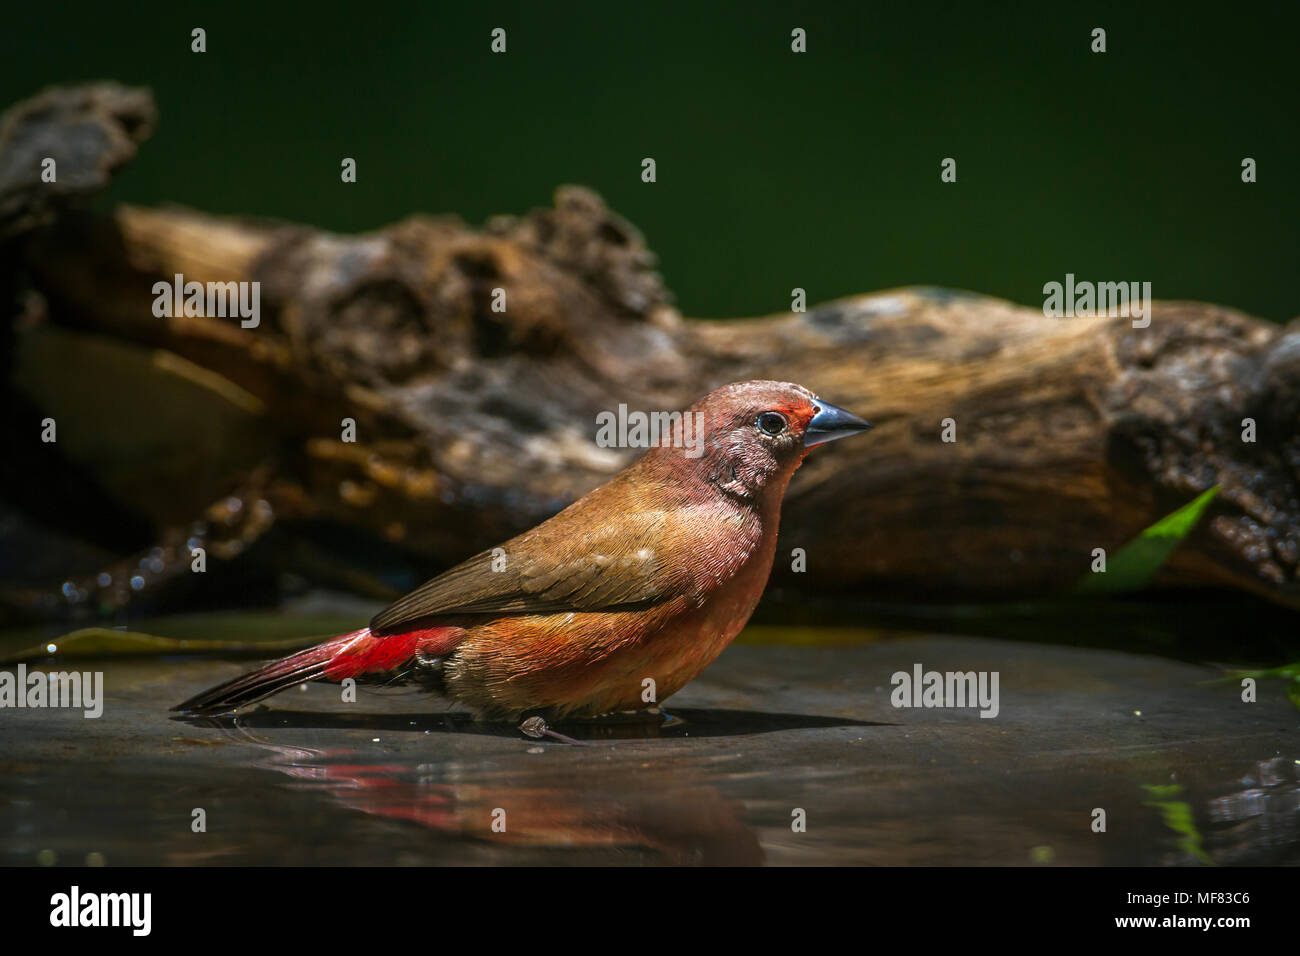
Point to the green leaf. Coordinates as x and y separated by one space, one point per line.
106 642
1289 672
1177 816
1132 566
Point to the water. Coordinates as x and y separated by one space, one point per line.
770 735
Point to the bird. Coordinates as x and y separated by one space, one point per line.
613 604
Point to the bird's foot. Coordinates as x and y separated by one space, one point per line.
537 728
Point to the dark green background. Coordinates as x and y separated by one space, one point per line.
775 170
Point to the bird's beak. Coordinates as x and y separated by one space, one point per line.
831 423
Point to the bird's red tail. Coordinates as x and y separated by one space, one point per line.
355 655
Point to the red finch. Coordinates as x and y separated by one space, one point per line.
613 604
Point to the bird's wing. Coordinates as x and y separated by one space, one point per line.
634 557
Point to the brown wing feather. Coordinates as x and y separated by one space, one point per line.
570 562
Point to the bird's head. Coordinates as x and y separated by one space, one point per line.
748 437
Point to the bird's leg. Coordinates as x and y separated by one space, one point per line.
536 727
668 722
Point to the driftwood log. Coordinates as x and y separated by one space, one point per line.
471 424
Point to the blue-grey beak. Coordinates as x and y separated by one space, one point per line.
830 423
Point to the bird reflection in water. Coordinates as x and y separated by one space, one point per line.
654 813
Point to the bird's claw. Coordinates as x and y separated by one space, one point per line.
536 728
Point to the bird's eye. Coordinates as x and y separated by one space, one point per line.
771 423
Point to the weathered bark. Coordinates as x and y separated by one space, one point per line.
92 132
1072 434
